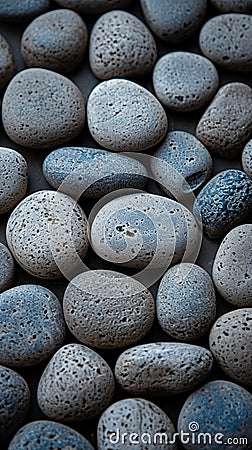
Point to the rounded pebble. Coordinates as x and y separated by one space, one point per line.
76 385
6 268
226 125
184 81
92 172
33 325
162 368
226 40
230 341
45 229
124 116
220 409
7 64
22 11
56 40
93 6
137 419
247 158
186 303
14 178
240 6
224 202
107 309
14 401
42 109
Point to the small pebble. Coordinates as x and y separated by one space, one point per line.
224 202
240 6
7 268
226 125
226 40
76 385
137 419
124 116
56 40
42 109
220 409
7 64
230 341
93 6
13 180
162 368
92 172
185 81
14 401
32 325
247 158
22 11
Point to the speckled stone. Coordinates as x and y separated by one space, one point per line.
240 6
134 415
124 116
107 309
162 368
45 435
13 179
226 125
184 81
7 269
14 401
121 46
32 325
93 6
7 64
56 40
42 109
232 268
186 304
224 202
218 407
92 172
247 158
38 233
76 385
226 40
174 21
230 341
22 11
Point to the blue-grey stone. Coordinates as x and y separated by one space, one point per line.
93 6
22 11
6 268
239 6
7 64
247 158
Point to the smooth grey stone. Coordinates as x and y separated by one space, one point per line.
121 46
186 303
32 325
47 229
172 21
107 309
7 269
226 125
162 368
7 64
76 385
42 109
92 172
230 341
124 116
93 6
22 11
134 415
184 81
14 401
56 40
240 6
247 158
13 179
232 268
226 40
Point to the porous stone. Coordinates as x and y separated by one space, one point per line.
124 116
224 201
162 368
22 11
186 303
226 40
230 341
32 325
226 125
174 22
7 64
76 385
107 309
56 40
240 6
14 401
247 158
92 172
47 234
13 180
217 407
93 6
7 269
42 109
184 81
121 46
139 419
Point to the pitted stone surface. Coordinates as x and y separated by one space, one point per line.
7 64
7 268
239 6
22 11
247 158
93 6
